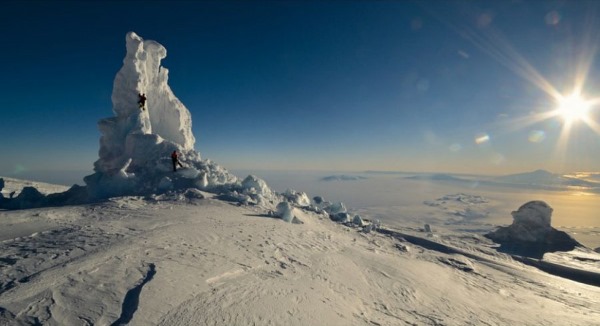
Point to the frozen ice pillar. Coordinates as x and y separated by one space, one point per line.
135 142
142 73
164 119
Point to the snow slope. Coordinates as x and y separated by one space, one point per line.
167 260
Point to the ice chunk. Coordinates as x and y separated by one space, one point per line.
336 208
136 144
254 184
531 234
297 198
341 217
357 220
285 211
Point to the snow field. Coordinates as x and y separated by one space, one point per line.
216 263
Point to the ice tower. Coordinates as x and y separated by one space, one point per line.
136 144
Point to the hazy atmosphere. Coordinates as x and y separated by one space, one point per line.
440 86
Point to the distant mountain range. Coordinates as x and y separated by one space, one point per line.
343 177
536 179
545 178
436 177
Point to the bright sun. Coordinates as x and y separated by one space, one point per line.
573 108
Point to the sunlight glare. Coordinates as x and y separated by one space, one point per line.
573 108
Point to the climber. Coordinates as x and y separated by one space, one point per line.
175 160
142 101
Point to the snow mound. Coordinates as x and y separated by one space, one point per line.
251 191
531 233
255 185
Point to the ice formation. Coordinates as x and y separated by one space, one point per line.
298 198
357 220
285 211
531 233
136 144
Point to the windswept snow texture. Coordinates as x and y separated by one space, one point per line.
199 261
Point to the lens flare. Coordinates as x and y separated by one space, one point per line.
537 136
573 108
482 139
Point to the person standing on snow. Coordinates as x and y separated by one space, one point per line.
175 160
142 101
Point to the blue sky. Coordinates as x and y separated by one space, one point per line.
438 86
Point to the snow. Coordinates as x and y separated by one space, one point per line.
255 185
182 261
141 244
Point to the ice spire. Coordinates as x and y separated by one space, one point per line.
134 136
136 144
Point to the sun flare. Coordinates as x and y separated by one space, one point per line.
573 108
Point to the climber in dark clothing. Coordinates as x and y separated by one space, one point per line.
142 101
175 160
